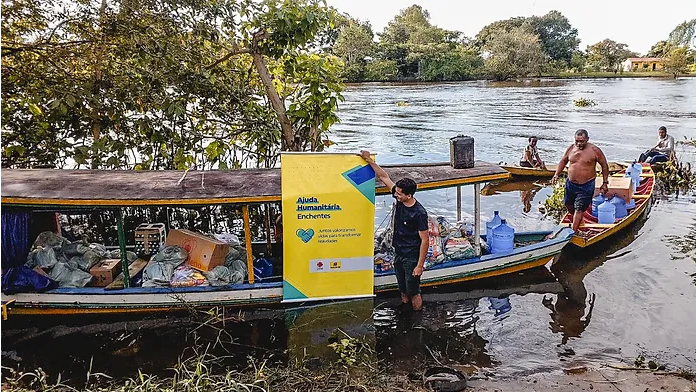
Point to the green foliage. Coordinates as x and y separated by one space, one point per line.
512 53
559 40
676 62
583 102
349 349
315 101
684 34
381 70
607 55
553 205
660 49
138 86
450 66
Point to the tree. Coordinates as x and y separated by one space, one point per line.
578 61
557 37
410 39
660 49
676 62
381 70
130 84
684 34
452 65
607 55
517 52
354 44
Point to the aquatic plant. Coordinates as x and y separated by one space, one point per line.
553 205
583 102
674 177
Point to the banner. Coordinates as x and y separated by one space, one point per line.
328 226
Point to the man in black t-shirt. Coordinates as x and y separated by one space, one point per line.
410 235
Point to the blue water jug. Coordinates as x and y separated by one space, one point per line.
263 268
503 238
620 210
490 225
596 201
606 213
631 204
500 305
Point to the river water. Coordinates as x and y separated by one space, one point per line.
634 295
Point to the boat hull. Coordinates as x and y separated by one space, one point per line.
518 171
598 233
67 301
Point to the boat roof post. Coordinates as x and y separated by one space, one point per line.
247 243
122 247
459 203
477 218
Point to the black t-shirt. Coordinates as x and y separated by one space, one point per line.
408 221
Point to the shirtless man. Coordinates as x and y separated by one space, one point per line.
580 184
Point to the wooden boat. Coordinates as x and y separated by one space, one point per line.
592 232
61 190
519 171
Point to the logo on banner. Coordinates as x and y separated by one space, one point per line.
305 235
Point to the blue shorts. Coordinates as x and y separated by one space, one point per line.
579 196
403 267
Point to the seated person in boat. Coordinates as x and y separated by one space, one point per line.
530 156
581 158
663 150
410 239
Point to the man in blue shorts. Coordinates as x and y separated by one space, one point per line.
582 171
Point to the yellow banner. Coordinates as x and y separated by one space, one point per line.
328 226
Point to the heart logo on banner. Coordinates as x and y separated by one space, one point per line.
305 235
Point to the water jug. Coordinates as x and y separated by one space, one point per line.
500 305
631 204
263 268
503 238
606 213
490 225
596 201
620 210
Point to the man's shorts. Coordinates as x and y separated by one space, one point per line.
408 284
579 195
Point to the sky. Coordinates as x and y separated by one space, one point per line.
629 22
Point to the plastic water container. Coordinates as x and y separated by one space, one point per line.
606 213
596 201
631 204
500 305
503 238
495 221
620 210
634 171
263 268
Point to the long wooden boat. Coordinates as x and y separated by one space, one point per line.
57 190
591 232
519 171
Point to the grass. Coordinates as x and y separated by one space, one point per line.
203 372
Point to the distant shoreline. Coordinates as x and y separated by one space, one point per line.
563 75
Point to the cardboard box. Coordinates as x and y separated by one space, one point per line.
204 252
105 271
619 186
135 272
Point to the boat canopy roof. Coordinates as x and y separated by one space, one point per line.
121 188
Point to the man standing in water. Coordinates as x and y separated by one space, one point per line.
580 184
410 239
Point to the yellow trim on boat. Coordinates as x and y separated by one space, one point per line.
138 202
447 183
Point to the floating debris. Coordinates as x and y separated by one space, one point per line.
582 102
